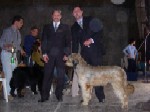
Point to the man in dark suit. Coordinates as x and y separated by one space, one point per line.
56 42
88 42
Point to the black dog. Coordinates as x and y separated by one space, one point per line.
22 75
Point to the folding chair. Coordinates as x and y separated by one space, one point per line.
3 79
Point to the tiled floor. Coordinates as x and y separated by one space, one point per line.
138 102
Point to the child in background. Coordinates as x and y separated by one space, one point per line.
38 65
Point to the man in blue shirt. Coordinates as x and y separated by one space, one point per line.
28 43
11 39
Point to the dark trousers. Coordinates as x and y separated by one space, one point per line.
131 65
94 59
99 92
131 72
48 77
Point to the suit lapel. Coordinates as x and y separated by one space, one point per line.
60 26
51 27
77 25
84 22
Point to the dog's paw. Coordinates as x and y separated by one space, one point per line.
124 105
84 103
130 89
66 91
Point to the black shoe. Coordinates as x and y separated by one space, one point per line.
43 100
102 101
12 93
35 92
59 98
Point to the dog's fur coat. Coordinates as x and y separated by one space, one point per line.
22 75
89 76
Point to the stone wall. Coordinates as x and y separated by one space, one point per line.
115 21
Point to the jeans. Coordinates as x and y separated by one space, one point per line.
8 67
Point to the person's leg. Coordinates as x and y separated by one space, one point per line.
19 92
134 74
55 72
129 65
99 92
95 60
134 65
60 78
7 68
33 88
38 72
40 78
33 72
13 87
47 80
66 79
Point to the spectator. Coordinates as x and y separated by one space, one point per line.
28 43
11 39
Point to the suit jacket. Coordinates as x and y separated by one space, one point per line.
55 44
79 35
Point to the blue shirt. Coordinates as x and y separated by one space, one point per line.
28 43
11 35
130 50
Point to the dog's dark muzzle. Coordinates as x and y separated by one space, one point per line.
75 63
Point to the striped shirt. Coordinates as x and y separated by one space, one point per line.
9 36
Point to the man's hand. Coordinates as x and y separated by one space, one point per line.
88 42
23 53
129 56
45 58
148 61
65 58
